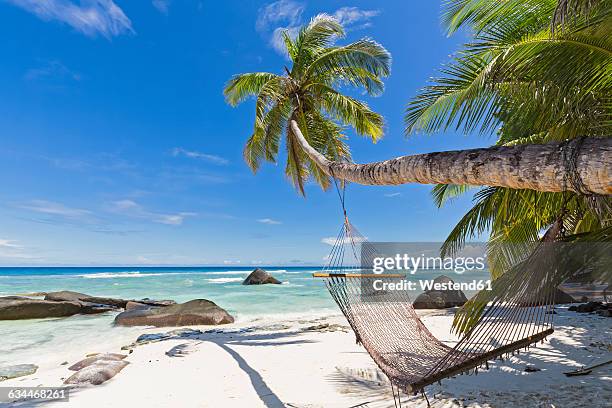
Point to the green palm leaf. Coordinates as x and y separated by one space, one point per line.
310 93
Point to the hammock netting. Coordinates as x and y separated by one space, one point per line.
388 327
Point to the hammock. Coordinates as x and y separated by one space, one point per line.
387 326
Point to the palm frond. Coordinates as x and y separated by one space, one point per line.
570 10
240 87
313 39
296 167
463 98
351 111
475 222
442 193
365 54
354 76
486 15
310 93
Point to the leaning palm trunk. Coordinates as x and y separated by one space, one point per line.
581 165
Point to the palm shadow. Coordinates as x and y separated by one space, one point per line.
276 339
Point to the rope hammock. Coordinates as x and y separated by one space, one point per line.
387 326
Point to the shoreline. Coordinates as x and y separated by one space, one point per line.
313 362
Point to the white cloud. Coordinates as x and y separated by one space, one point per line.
179 151
283 11
346 240
273 19
125 205
278 42
9 243
10 250
17 255
161 5
141 259
54 208
231 262
132 209
172 219
354 17
55 213
90 17
286 15
269 221
392 195
51 70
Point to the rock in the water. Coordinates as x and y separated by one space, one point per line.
15 308
18 370
153 302
194 312
135 305
260 277
97 372
90 360
605 313
67 295
70 296
440 299
95 308
589 307
66 303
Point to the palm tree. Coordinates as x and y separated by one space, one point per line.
530 80
537 73
309 94
281 99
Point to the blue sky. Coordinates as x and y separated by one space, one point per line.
117 146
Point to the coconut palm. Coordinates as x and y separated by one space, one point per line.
530 80
363 64
536 71
537 74
309 93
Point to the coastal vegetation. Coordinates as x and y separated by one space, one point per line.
309 93
535 71
535 74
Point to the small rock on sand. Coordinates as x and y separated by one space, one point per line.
327 327
97 372
18 370
90 360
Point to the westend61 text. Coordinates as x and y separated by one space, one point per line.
429 284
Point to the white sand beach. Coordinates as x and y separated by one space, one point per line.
315 363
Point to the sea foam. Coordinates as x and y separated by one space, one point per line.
224 280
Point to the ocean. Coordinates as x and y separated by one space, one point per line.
46 341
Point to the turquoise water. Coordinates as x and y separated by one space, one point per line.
222 285
52 341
